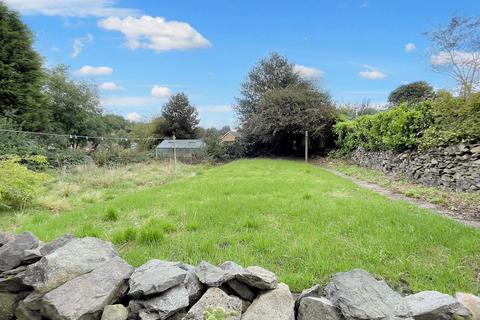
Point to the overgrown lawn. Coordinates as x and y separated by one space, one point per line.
296 219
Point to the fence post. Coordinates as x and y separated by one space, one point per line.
306 146
174 152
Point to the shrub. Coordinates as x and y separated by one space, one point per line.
18 184
396 129
111 155
67 158
455 120
445 120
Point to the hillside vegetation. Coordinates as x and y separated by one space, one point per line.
298 220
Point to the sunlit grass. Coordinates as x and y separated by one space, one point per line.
296 219
461 202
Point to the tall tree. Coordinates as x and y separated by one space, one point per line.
75 105
277 107
181 118
455 51
411 93
21 75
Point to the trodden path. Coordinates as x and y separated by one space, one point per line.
398 196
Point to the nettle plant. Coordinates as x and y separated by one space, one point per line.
218 313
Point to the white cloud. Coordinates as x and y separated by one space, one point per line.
155 33
70 8
79 43
109 86
458 57
410 47
133 116
160 92
308 72
372 74
94 71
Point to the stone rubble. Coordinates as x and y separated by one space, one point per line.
84 279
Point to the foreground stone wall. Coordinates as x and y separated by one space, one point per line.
84 279
455 167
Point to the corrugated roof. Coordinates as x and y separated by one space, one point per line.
182 144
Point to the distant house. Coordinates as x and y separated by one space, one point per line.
230 136
185 149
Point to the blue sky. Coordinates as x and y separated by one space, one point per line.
140 52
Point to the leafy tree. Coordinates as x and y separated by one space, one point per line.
411 93
20 74
277 107
181 118
74 105
455 51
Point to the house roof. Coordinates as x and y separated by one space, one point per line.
181 144
236 134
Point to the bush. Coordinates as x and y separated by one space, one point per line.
17 143
443 121
18 184
221 152
396 129
111 155
454 121
67 158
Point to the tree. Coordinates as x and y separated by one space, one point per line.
74 105
455 51
277 107
181 118
21 76
411 93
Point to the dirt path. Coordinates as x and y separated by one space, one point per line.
398 196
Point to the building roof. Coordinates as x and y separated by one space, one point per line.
236 134
182 144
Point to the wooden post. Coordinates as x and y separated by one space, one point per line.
306 146
174 152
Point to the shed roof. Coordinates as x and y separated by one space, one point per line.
182 144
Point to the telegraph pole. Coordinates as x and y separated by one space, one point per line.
306 146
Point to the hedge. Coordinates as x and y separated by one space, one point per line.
424 125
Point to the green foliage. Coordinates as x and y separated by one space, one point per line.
277 107
455 120
111 155
18 184
216 150
445 120
395 129
74 104
66 157
180 117
411 93
17 143
21 76
218 313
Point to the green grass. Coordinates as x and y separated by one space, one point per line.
295 219
464 203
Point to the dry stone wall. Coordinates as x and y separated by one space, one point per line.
84 279
455 167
